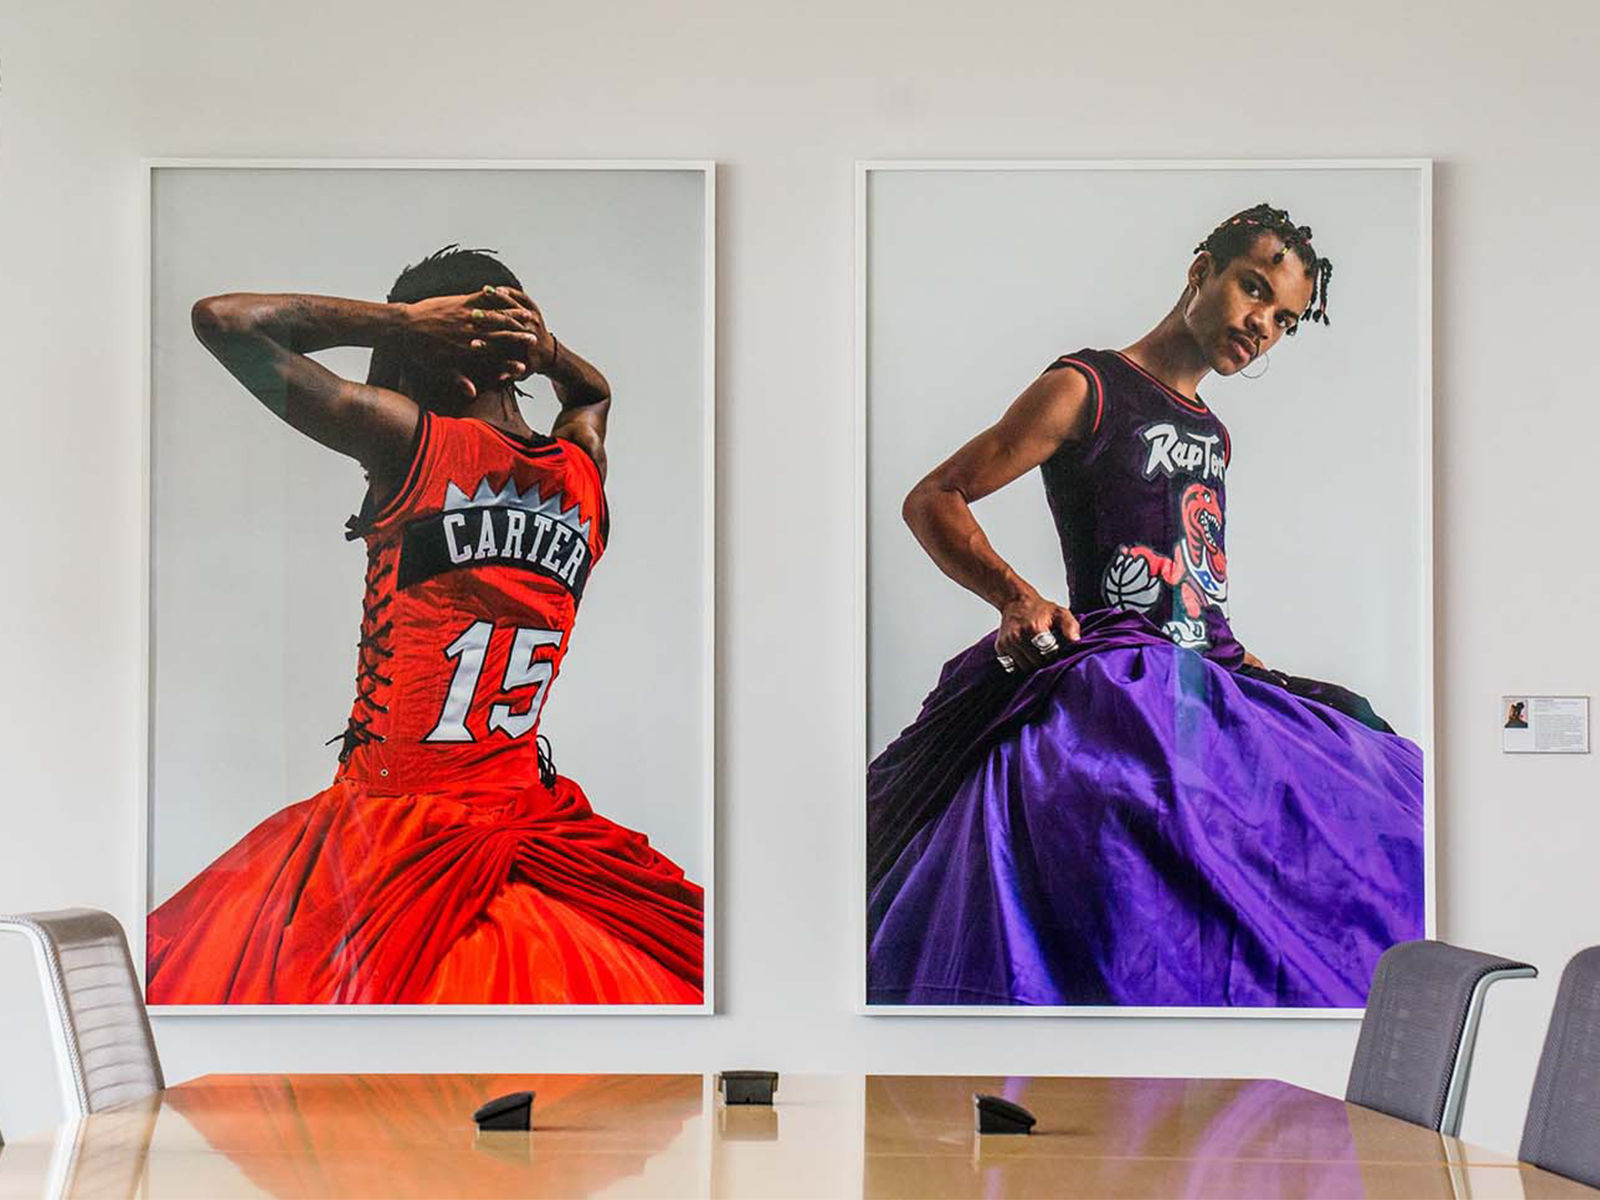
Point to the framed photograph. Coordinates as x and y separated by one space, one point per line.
1146 583
431 588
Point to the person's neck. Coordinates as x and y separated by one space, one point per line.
1170 354
498 408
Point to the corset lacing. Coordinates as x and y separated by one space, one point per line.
371 651
547 764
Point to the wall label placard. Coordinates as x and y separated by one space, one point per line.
1544 724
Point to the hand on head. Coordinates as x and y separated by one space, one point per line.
493 336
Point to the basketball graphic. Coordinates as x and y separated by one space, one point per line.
1129 582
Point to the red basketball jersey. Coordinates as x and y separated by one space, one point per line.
474 572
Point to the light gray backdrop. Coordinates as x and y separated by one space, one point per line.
978 279
257 594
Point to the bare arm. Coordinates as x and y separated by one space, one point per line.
585 399
265 341
1053 410
581 390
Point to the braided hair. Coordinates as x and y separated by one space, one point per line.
1239 232
451 271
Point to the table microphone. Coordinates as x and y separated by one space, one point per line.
996 1114
513 1111
747 1087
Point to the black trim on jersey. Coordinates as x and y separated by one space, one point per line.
1096 386
578 446
372 512
538 445
1193 404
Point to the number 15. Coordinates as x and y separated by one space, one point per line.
522 670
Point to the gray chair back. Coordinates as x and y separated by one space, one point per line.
104 1047
1415 1051
1562 1133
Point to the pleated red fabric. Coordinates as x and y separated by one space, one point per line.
493 896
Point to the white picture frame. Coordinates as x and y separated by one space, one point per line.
869 508
699 501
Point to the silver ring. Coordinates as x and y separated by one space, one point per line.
1007 663
1045 642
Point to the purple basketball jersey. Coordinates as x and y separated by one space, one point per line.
1139 505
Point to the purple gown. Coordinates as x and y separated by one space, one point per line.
1146 821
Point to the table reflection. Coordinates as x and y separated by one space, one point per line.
1145 1137
668 1135
378 1135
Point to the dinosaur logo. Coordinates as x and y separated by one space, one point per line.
1197 571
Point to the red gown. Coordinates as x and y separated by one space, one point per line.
447 863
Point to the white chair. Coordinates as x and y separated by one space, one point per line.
105 1051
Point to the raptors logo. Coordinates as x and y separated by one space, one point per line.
1174 451
1197 571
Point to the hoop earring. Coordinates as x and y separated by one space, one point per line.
1266 365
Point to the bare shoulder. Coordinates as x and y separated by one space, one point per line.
1055 407
588 440
585 428
1052 410
375 426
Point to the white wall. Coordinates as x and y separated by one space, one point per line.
785 97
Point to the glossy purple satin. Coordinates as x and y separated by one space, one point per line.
1137 825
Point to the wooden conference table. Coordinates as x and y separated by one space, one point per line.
826 1136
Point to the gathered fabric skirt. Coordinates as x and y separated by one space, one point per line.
1137 825
510 895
